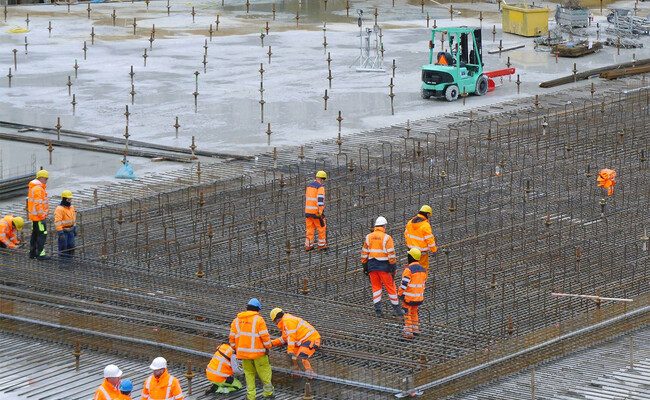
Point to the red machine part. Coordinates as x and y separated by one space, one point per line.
495 74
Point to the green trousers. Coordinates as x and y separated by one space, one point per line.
228 387
262 368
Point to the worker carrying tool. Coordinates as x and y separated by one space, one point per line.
37 209
418 235
250 338
126 387
607 179
222 369
411 292
108 390
9 228
160 385
379 263
65 222
301 338
315 212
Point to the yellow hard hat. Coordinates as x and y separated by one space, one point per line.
67 194
42 174
275 312
321 174
415 253
19 222
426 209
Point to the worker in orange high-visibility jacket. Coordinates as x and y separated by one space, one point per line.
607 180
418 235
38 207
9 228
65 222
315 212
301 338
250 338
411 292
379 263
109 389
222 369
161 385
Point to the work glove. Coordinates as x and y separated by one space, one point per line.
365 269
393 268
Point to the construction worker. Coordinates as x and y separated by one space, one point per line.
65 219
37 210
607 179
160 385
314 212
250 338
222 369
379 262
411 292
301 338
126 387
418 235
108 390
9 227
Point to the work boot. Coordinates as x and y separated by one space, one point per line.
397 311
211 389
378 311
43 258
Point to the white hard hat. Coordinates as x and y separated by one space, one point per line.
158 363
381 221
112 371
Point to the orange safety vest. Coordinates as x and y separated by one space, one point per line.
295 331
166 387
418 234
106 391
37 202
8 232
249 335
64 217
314 199
607 179
220 368
414 277
378 250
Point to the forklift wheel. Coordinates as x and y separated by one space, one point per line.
425 94
451 92
481 85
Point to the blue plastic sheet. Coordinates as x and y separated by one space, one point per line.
125 171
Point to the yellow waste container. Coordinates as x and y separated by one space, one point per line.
524 19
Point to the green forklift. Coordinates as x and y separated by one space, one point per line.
456 70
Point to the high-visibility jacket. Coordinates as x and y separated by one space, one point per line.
8 232
220 367
379 251
107 391
37 202
418 234
295 331
314 199
64 217
414 277
607 179
166 387
249 335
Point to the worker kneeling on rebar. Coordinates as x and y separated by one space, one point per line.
9 228
301 338
222 369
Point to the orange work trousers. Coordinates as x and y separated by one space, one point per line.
313 224
379 278
411 320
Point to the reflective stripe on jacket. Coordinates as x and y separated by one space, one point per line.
379 251
418 234
64 217
8 232
106 391
249 335
220 368
413 283
314 199
37 202
166 387
295 331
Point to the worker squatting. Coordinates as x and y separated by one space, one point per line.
249 341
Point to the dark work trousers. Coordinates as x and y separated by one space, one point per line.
37 241
66 243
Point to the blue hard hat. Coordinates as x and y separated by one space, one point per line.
255 303
126 386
